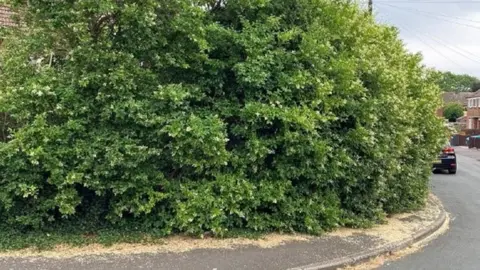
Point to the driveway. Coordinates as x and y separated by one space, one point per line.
459 248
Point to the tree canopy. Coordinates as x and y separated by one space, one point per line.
476 86
450 82
191 116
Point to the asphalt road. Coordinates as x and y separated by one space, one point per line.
459 248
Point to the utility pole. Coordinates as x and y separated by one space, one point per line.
370 7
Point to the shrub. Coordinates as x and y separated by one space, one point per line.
453 111
295 115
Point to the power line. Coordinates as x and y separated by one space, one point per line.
436 17
432 47
454 48
422 40
436 14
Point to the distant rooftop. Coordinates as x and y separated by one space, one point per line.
461 97
475 94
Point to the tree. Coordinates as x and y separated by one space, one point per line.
450 82
453 111
188 116
475 86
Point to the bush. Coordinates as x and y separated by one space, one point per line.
295 115
453 111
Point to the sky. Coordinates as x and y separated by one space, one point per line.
446 32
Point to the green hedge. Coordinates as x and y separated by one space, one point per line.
197 116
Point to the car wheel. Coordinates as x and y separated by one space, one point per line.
452 171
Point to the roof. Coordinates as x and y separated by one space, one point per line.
475 94
462 118
453 97
6 17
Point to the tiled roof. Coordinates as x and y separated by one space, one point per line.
452 97
6 17
475 94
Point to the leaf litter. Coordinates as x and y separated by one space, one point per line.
397 227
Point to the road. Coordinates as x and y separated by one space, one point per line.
459 248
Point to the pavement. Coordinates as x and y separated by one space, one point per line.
342 247
459 248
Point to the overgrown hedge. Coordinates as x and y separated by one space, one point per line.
194 116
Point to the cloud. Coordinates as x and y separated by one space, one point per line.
447 34
447 59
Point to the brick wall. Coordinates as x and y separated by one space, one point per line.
473 115
473 123
473 112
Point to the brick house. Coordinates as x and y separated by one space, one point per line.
473 111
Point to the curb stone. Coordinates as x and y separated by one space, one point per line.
364 256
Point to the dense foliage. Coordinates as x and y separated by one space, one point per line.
453 111
476 86
451 82
5 126
193 116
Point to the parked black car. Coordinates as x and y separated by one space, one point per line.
447 160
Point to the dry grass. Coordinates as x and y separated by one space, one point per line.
381 260
397 228
175 244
